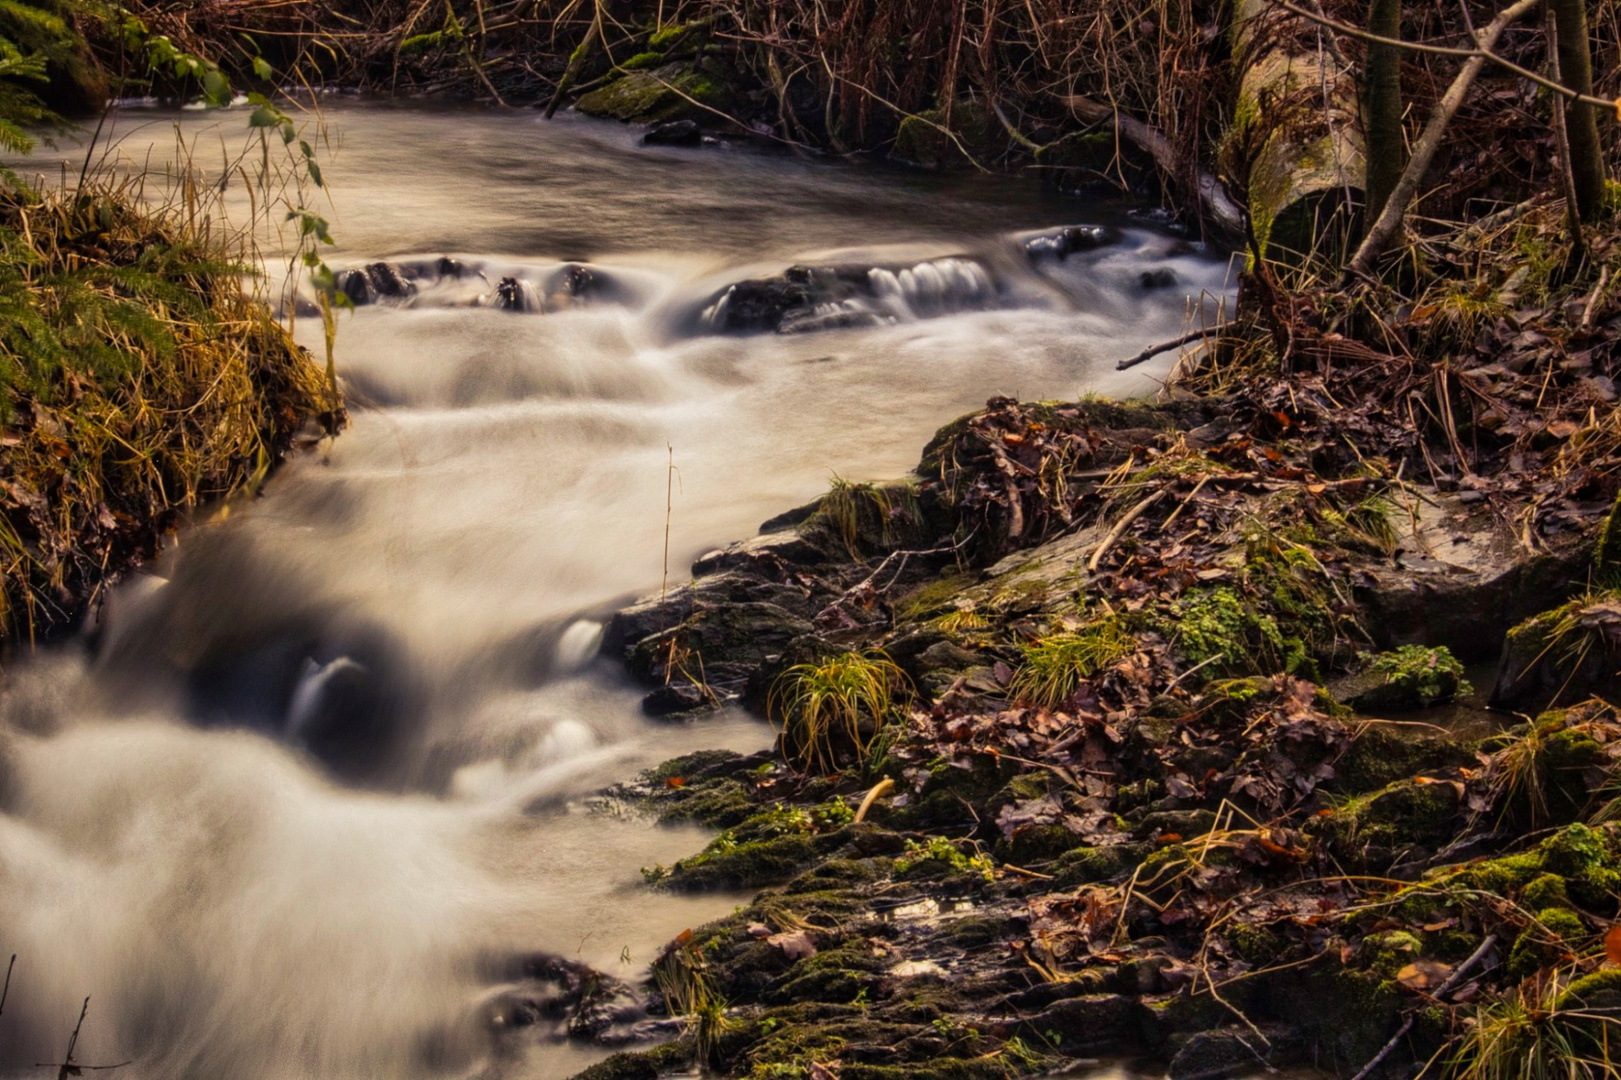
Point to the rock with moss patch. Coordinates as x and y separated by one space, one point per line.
1551 937
671 92
1410 677
1566 654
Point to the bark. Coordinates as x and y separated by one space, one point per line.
1586 163
1387 148
1296 136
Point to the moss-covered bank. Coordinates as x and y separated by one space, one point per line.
1111 804
139 381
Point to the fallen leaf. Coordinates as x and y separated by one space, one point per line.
795 945
1612 946
1423 975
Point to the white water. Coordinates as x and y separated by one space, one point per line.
435 579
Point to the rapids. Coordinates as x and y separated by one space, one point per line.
310 785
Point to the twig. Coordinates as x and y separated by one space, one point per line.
1390 220
1119 530
1166 346
1407 1025
1483 52
7 990
1561 134
67 1066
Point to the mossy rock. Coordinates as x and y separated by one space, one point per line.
1035 844
1546 891
746 866
839 976
1387 952
1584 858
1093 153
1411 677
1086 865
642 1064
1564 655
1548 941
920 139
673 92
1346 1015
1381 754
1405 818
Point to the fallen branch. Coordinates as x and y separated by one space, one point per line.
879 790
1120 529
1390 220
1166 346
1214 201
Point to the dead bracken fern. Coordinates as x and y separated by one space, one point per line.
138 380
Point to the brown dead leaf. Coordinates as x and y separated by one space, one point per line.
1612 946
795 945
1423 975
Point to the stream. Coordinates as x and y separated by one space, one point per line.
312 791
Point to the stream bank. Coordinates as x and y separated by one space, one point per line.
1134 692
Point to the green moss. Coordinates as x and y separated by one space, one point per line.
1386 953
1035 844
1544 891
837 975
1374 830
643 60
662 39
644 97
1085 865
1381 754
1546 942
934 598
1414 677
726 864
1257 946
1601 989
943 854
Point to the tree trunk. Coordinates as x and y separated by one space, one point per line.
1586 162
1296 136
1387 148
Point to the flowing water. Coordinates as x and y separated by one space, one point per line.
310 794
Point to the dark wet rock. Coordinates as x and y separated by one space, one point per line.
1461 579
515 294
674 133
1059 245
1096 1023
803 299
580 1002
1162 278
675 700
375 283
1221 1055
